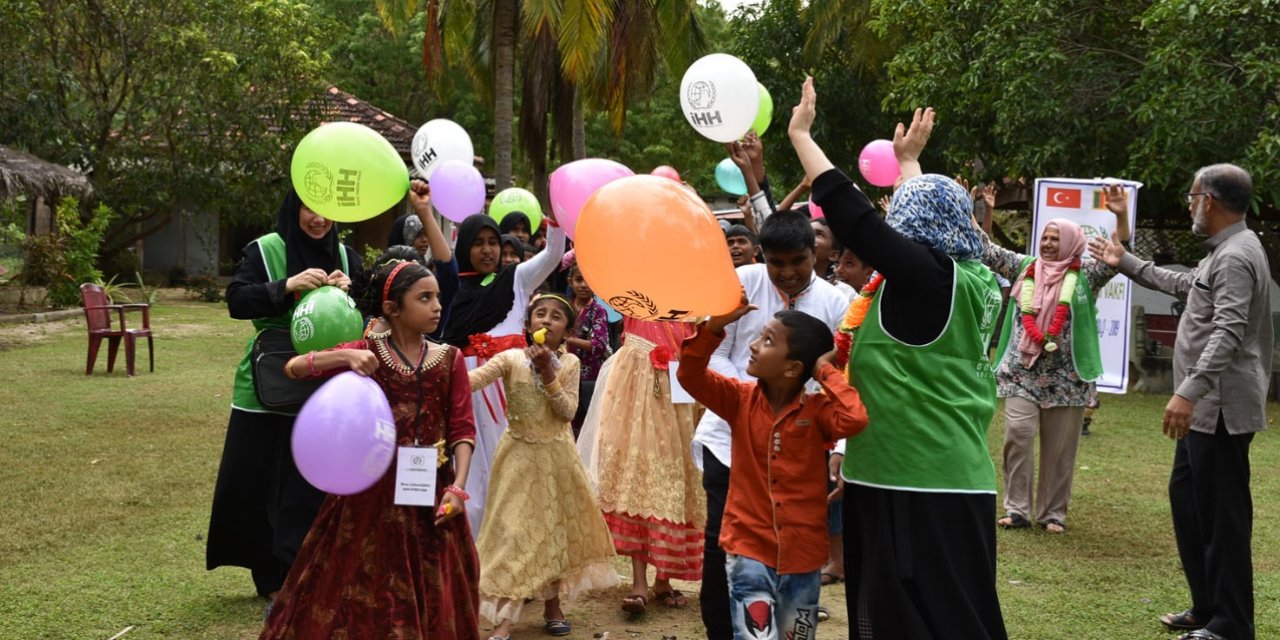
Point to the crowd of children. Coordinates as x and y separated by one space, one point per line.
716 453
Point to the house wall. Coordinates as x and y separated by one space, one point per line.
190 242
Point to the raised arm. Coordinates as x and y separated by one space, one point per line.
420 199
1145 273
1001 261
537 269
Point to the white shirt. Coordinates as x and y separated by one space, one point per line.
821 300
530 274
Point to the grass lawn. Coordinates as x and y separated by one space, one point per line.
105 484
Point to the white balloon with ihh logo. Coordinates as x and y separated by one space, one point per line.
439 141
720 97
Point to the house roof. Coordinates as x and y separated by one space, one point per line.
336 105
24 174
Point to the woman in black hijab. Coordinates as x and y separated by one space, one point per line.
517 224
487 318
262 507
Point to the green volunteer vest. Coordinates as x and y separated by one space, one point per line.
1086 353
273 257
929 406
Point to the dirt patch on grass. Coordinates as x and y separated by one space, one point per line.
17 336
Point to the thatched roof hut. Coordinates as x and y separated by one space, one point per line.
24 174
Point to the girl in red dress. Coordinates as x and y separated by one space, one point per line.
370 568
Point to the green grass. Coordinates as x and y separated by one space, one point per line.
105 484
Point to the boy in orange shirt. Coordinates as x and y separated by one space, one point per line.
775 519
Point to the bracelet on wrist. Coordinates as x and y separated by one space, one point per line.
311 364
458 491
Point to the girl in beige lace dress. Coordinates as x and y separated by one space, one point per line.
542 535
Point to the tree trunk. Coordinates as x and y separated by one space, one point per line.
579 128
506 15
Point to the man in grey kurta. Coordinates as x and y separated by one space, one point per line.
1221 369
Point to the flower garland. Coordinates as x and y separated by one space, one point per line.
853 319
1026 295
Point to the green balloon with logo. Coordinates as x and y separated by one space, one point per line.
324 318
517 199
347 172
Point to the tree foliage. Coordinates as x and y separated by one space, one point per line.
1142 89
166 106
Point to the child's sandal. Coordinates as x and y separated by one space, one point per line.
671 599
635 605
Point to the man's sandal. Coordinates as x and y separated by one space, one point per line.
1052 522
1184 621
830 579
635 605
560 627
1013 521
1200 634
671 599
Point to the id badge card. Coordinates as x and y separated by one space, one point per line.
416 476
678 394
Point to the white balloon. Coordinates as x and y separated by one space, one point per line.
438 141
720 97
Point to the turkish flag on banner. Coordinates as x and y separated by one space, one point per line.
1065 198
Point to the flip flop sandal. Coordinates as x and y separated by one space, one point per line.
1045 525
830 579
558 627
635 605
1184 621
823 614
672 599
1015 521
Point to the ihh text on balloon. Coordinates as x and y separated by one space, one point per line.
706 119
348 188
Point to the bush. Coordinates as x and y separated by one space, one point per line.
66 257
205 288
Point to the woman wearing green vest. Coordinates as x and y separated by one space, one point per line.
920 493
1045 365
262 507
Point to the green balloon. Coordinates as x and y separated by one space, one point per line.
347 172
324 318
765 114
517 199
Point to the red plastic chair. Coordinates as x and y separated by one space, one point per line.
97 313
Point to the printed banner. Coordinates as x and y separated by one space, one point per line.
1084 202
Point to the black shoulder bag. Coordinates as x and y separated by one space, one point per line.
272 349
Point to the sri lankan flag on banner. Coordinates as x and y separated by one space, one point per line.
1099 199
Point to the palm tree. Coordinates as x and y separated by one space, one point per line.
572 53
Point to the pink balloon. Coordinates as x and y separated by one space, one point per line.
345 437
457 190
665 171
573 183
878 164
816 212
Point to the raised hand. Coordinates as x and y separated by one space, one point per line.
420 196
803 114
1117 199
909 142
755 151
989 196
739 156
718 323
1108 252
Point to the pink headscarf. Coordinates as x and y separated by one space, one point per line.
1048 283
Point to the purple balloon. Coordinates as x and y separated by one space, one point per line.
457 190
573 183
345 438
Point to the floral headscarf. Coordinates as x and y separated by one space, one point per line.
936 212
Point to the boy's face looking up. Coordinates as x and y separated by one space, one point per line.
741 251
790 271
769 362
851 270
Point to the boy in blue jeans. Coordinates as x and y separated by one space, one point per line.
775 519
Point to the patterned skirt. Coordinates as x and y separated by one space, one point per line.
635 445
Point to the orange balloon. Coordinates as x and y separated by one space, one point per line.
654 251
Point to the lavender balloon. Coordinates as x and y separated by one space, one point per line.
457 190
345 438
573 183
